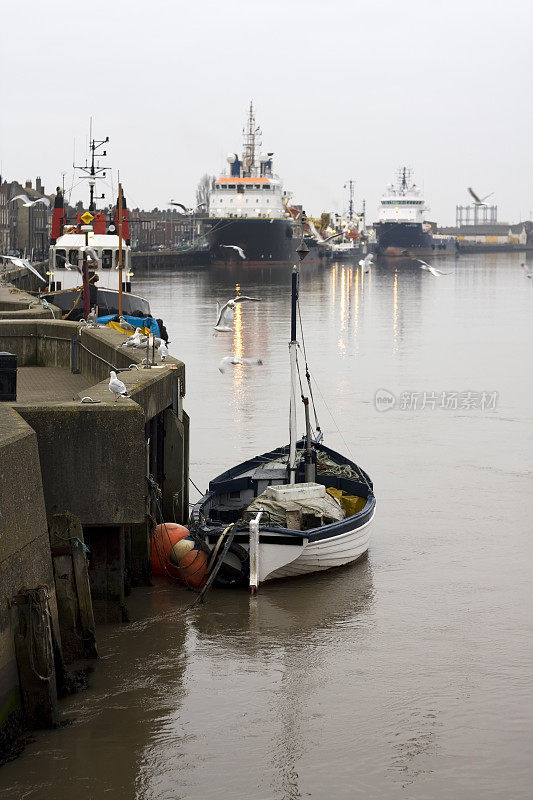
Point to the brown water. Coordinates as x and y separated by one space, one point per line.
405 676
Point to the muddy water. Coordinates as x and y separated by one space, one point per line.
407 675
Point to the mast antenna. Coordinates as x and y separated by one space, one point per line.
94 170
350 184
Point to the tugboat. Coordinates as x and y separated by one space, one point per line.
249 217
98 245
402 220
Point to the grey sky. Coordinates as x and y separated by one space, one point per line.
342 90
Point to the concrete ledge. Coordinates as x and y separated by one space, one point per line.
18 304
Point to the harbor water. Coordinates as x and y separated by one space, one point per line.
406 675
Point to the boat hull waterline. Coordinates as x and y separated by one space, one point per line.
285 553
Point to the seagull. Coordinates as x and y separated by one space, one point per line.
133 340
91 317
424 265
162 351
125 324
28 203
90 253
237 249
528 274
23 262
224 364
117 387
227 312
479 201
367 262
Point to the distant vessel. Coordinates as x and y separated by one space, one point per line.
248 209
402 221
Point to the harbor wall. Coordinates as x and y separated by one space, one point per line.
94 463
170 259
25 560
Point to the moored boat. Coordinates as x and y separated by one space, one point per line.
92 250
298 509
248 210
402 223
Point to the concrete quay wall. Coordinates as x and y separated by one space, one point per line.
25 559
84 461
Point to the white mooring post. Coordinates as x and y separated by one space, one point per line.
254 553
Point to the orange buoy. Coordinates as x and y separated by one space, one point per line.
174 553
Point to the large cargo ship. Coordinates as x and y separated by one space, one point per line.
249 217
402 221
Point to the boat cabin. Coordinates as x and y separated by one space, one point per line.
66 259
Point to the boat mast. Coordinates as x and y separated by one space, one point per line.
94 170
350 184
250 136
293 344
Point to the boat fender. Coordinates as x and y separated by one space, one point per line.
233 578
174 553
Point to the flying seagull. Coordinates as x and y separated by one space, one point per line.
367 262
227 312
28 203
23 262
237 249
117 387
233 360
424 265
479 201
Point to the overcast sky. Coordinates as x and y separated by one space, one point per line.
343 89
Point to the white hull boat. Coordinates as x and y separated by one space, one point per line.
299 509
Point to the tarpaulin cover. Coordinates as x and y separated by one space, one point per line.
138 322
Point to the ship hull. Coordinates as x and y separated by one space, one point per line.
263 241
107 300
393 238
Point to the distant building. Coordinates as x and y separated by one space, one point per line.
501 233
29 227
161 228
5 241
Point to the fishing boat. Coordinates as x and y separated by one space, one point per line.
92 250
298 509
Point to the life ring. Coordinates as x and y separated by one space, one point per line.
234 577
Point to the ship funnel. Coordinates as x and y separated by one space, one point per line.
58 217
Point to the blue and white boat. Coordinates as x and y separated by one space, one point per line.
298 509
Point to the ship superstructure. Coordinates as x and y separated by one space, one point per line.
248 207
402 215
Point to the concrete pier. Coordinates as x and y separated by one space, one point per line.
80 473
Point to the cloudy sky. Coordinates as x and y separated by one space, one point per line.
343 89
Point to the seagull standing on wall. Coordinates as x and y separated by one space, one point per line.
226 314
117 387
